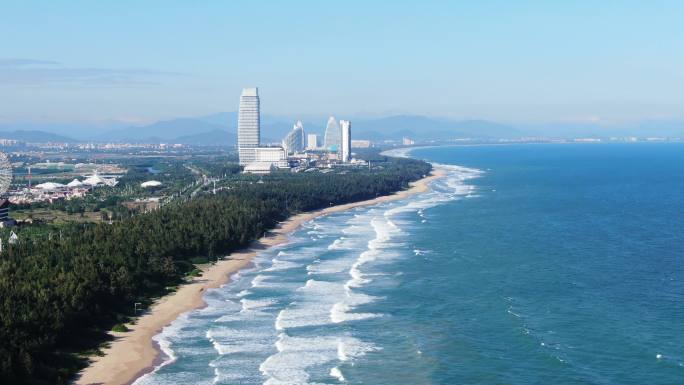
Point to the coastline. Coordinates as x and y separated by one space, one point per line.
134 353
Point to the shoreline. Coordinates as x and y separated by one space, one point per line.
134 353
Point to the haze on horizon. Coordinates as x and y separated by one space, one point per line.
525 61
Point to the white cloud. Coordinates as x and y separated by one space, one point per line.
31 72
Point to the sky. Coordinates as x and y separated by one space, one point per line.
509 61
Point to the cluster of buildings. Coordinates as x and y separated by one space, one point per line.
297 149
91 146
407 141
53 191
9 142
129 146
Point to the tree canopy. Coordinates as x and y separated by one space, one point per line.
59 294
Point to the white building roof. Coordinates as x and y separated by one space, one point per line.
94 180
75 183
111 181
258 167
49 186
151 183
251 91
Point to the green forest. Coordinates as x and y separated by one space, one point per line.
61 294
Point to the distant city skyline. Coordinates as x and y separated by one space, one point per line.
516 62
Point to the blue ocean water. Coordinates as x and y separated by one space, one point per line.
526 264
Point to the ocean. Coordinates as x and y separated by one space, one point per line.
526 264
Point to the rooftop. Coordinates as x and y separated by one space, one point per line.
254 91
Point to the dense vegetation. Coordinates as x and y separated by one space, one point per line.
59 294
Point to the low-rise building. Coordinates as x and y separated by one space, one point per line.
267 159
143 205
356 143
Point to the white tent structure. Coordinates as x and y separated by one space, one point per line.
75 183
111 182
94 180
50 186
151 183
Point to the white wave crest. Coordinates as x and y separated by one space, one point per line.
163 339
278 265
337 373
250 304
297 354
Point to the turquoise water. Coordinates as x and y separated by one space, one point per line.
527 264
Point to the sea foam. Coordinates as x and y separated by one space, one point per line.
297 354
277 323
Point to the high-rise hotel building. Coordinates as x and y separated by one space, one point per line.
294 141
345 150
248 125
331 141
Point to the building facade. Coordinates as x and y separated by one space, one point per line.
294 141
361 143
311 142
266 159
345 150
248 125
333 136
271 154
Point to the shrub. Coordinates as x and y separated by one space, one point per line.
120 328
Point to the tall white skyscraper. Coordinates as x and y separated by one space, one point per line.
248 125
345 126
312 141
332 139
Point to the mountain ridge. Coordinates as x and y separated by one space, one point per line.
34 136
214 128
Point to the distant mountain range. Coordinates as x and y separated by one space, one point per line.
35 136
273 129
213 129
163 130
645 128
220 129
422 127
211 138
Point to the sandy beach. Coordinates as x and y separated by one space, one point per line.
134 353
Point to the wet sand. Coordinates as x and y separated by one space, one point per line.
134 353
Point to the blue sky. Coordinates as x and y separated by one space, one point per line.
511 61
